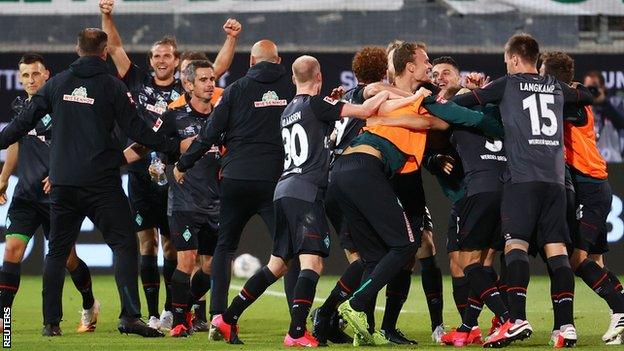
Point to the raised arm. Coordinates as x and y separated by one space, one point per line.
374 88
115 47
365 110
394 104
223 61
418 122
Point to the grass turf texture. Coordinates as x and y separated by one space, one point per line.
264 325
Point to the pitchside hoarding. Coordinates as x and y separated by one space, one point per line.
336 71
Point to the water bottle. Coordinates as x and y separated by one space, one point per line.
159 176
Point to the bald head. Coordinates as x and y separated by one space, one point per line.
305 69
264 50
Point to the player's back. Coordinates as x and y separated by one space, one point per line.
532 114
306 124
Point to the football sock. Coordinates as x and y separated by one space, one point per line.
518 276
348 282
562 281
150 277
82 280
482 285
396 294
254 287
9 282
181 295
169 267
302 301
598 280
432 286
461 290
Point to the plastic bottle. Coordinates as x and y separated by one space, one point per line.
159 177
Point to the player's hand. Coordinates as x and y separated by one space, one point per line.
186 143
575 85
232 27
106 6
153 171
424 92
475 80
3 188
179 176
446 163
337 93
47 185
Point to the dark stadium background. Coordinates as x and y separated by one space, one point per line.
336 71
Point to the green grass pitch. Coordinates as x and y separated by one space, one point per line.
264 324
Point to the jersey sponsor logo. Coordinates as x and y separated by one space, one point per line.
157 125
494 157
79 95
270 98
330 101
545 142
160 107
174 95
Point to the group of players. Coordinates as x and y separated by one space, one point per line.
516 156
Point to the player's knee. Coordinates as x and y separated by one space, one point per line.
169 250
427 247
277 266
352 256
516 244
14 250
555 249
186 261
148 242
577 258
312 262
72 261
206 263
467 258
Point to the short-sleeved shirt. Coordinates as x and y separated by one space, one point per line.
33 163
531 107
200 190
306 123
151 100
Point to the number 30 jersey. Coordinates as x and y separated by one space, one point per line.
306 124
531 107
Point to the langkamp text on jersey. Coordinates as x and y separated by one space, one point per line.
537 88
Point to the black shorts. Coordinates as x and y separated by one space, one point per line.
375 215
339 222
193 231
593 204
480 221
24 217
453 226
301 228
148 202
534 212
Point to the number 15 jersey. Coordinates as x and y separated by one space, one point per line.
531 107
306 124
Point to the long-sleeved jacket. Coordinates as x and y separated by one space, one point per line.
248 116
87 104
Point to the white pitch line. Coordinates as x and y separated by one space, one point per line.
316 299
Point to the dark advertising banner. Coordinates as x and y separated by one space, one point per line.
336 71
